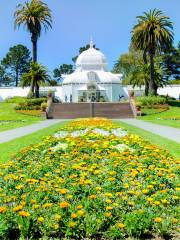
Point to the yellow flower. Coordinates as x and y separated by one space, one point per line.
145 191
56 226
108 201
3 209
92 196
150 199
109 208
131 203
108 214
79 206
63 191
164 201
120 225
64 205
24 214
174 220
40 219
157 203
81 213
18 208
73 215
158 220
57 216
35 206
72 224
47 205
19 187
108 195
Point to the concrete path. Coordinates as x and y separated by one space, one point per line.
164 131
9 135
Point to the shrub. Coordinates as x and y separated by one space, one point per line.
30 104
43 107
150 101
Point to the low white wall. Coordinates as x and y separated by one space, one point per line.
7 92
170 90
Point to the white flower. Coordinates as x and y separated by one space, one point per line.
118 132
122 147
101 131
61 134
60 146
79 132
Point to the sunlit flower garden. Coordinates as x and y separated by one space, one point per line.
92 180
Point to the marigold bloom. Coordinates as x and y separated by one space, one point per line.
158 220
24 214
73 215
79 206
3 209
40 219
120 225
81 213
64 205
72 224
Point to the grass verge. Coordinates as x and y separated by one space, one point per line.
171 146
170 117
8 149
10 119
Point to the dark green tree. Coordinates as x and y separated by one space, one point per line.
17 61
62 69
5 78
171 63
153 35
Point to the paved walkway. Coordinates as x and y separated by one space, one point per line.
164 131
9 135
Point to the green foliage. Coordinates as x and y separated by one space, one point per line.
5 78
17 61
63 69
30 104
36 76
150 101
153 35
43 106
175 81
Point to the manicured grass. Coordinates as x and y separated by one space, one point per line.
171 146
170 117
10 119
10 148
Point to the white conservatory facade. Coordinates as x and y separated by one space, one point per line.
91 81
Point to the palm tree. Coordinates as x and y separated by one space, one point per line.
153 35
34 15
37 75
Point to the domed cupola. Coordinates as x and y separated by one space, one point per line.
91 60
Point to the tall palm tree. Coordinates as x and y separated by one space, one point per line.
34 15
36 75
152 34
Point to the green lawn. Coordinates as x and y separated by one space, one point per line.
171 146
8 149
167 117
10 119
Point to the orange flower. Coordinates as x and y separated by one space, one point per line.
24 214
158 220
3 209
64 205
73 215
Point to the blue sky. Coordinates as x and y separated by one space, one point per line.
74 21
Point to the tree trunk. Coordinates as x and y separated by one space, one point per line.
17 77
34 58
36 90
146 92
152 88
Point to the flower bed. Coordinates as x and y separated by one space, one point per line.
91 180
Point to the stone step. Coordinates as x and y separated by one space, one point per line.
78 110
